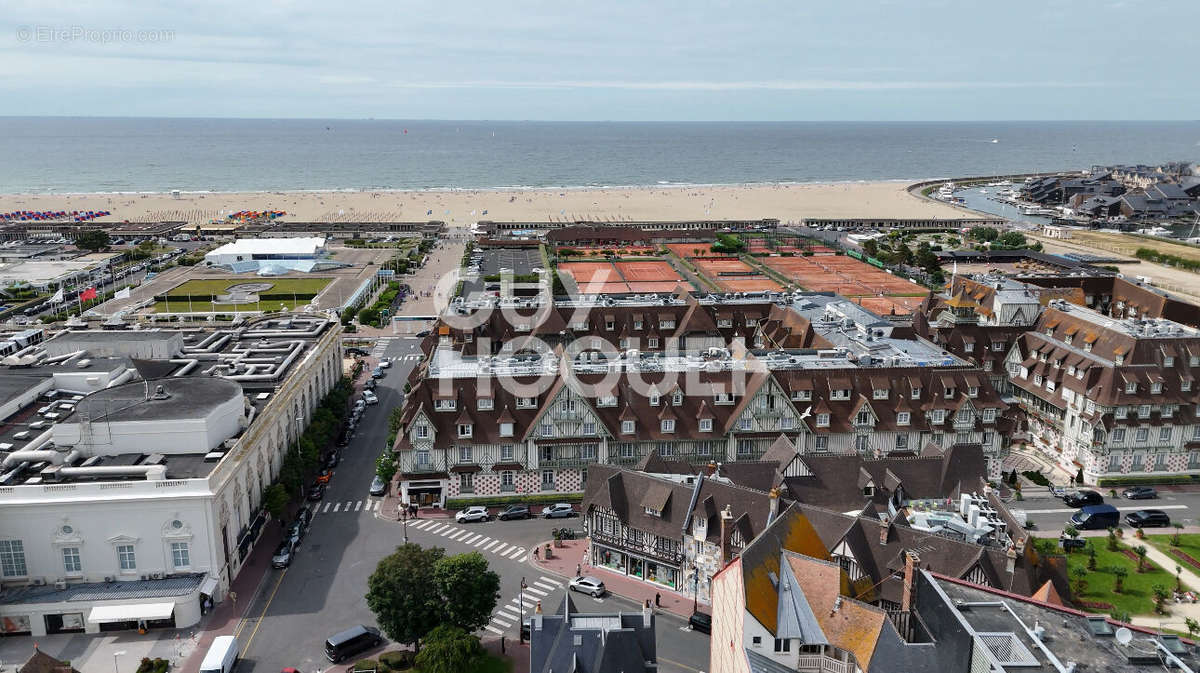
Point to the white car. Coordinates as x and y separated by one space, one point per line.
472 513
370 397
587 584
384 364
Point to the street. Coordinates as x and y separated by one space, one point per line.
1049 515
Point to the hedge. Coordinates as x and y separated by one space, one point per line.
1140 481
501 500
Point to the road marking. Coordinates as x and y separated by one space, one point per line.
437 528
679 665
422 525
327 506
348 503
493 544
337 507
1071 511
501 549
510 612
494 630
358 505
536 592
482 540
459 535
685 628
447 530
520 553
544 585
549 580
472 538
262 614
501 622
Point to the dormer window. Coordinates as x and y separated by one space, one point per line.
654 399
751 322
627 427
609 324
802 395
706 425
1049 331
444 405
607 401
650 511
1194 361
677 398
724 322
668 425
526 402
1071 370
989 415
1156 387
903 418
950 392
666 323
938 416
997 345
1037 379
521 327
637 324
916 393
652 342
863 418
972 392
468 337
969 347
1068 339
1168 361
1131 387
1119 359
1120 412
839 394
1144 411
465 429
485 404
723 398
422 431
1185 385
506 429
880 394
822 420
1087 347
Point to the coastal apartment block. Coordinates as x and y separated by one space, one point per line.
594 387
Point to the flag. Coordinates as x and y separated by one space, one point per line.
58 297
122 293
88 294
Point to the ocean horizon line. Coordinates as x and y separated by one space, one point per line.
618 121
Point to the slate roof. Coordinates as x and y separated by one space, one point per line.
104 591
790 531
622 642
40 662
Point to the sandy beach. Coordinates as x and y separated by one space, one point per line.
788 203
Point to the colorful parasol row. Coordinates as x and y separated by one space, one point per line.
51 215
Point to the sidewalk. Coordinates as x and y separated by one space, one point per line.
224 619
567 557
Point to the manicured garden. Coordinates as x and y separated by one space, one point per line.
1186 553
1111 583
214 286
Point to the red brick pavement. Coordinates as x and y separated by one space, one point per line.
570 555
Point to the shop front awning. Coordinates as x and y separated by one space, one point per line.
208 586
105 614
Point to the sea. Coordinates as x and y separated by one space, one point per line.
89 155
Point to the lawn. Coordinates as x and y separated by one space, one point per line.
1137 597
184 306
1188 544
217 286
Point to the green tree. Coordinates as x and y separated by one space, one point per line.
449 649
985 234
468 588
1119 574
1071 531
385 465
1079 580
1140 550
403 595
1012 239
95 239
1192 626
1161 594
395 421
276 499
1111 543
870 247
1175 539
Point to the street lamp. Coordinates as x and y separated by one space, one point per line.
404 519
521 626
115 655
299 429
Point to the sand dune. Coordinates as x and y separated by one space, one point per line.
789 203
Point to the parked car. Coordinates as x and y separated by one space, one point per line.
283 555
516 512
316 492
378 373
1082 498
423 333
378 486
1139 493
370 384
354 350
332 459
559 510
325 476
351 641
385 364
700 622
1148 518
473 513
587 585
295 533
370 397
1096 517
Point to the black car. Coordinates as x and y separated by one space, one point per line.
1139 493
515 512
423 333
356 351
1082 498
331 459
700 622
370 384
1148 518
316 492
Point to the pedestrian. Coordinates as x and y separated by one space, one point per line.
657 600
535 554
578 569
501 644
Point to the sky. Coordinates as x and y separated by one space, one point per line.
612 60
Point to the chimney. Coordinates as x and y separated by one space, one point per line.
773 498
911 561
647 614
726 516
883 531
710 469
535 622
1010 565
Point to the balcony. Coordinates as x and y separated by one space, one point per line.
624 460
819 663
618 542
508 488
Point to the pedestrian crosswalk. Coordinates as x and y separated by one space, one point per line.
411 357
470 538
330 507
509 615
381 346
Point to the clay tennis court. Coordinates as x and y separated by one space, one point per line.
657 286
591 272
598 250
647 271
715 267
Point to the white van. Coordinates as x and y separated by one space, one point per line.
221 655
